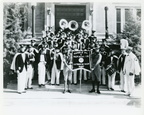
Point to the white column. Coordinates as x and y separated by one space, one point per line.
53 17
47 20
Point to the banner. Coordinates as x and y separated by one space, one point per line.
81 60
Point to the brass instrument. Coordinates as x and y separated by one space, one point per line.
73 25
86 24
63 23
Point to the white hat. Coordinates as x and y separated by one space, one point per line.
130 48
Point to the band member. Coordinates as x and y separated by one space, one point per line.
92 37
21 68
121 61
111 69
35 63
41 67
86 41
95 69
130 69
104 50
56 68
74 76
67 68
30 70
48 63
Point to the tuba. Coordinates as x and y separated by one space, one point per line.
73 25
86 24
63 23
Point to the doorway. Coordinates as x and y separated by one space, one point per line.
70 12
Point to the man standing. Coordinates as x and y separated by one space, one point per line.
95 69
48 63
41 67
121 61
111 63
130 70
104 50
30 70
21 68
56 68
67 68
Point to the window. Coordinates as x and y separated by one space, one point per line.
127 14
118 20
124 14
138 14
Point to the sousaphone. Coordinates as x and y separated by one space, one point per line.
63 23
86 24
73 25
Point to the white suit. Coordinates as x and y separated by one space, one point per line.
130 67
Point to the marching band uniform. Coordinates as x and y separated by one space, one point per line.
104 50
21 68
30 70
121 61
35 63
67 72
48 64
41 67
112 60
74 76
96 70
56 62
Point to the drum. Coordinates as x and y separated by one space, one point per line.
110 69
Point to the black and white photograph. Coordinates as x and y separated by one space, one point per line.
71 58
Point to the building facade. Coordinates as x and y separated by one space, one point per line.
49 14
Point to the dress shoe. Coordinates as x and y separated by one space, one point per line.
122 91
19 93
98 91
42 84
30 88
25 88
64 91
57 84
68 91
91 91
128 95
39 86
75 83
112 89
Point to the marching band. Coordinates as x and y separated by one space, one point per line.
53 58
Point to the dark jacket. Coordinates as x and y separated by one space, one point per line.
121 61
58 60
20 63
48 60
